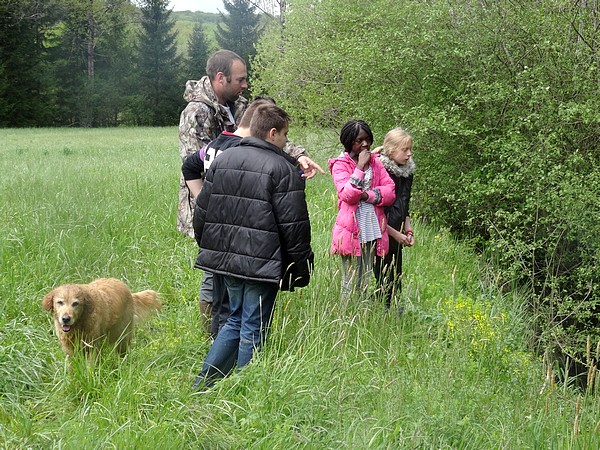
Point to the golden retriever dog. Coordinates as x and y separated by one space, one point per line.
103 312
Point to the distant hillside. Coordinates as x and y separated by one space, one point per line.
185 22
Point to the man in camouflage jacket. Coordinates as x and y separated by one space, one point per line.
214 105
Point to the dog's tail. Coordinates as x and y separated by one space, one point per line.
144 304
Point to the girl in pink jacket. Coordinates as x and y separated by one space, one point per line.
364 188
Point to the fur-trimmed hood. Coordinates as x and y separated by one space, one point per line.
400 171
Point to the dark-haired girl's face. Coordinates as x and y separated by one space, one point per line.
361 143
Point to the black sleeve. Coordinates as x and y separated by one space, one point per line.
396 212
199 218
193 167
291 212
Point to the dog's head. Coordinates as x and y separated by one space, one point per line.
67 304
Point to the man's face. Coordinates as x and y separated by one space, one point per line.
231 90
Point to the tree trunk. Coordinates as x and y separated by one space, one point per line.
90 65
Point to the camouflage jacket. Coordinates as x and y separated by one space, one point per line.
202 120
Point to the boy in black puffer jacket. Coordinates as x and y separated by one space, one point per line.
252 226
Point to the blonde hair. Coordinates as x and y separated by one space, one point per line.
395 138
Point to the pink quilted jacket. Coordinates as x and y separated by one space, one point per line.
345 231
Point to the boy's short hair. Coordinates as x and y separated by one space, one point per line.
267 117
264 97
350 132
221 61
247 117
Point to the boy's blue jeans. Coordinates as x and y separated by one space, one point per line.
251 308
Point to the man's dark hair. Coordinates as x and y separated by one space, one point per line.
221 62
267 117
350 132
247 117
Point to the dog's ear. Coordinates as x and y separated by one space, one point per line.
48 301
84 295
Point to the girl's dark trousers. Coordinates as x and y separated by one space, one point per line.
388 273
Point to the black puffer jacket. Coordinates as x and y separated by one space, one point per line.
251 218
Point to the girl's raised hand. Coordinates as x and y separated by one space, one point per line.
363 159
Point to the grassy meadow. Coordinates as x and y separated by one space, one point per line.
454 372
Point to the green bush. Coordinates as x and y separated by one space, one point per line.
502 100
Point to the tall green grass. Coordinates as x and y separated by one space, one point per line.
454 371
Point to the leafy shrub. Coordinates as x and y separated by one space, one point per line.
502 100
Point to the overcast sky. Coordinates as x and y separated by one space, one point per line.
211 6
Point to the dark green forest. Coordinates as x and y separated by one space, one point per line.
97 63
502 99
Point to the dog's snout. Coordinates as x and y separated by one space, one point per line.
65 319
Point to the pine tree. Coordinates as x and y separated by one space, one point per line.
241 29
113 58
159 81
198 53
91 58
25 83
